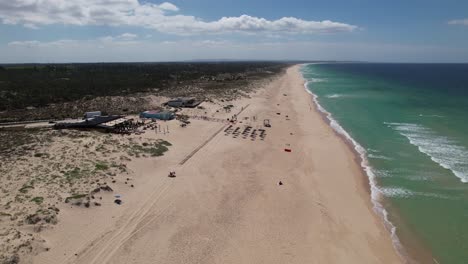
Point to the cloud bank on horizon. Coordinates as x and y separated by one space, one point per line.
164 17
463 22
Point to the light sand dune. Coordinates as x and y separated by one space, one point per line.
225 205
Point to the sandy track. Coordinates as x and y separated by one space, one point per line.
108 245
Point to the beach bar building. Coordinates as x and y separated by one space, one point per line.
160 115
183 102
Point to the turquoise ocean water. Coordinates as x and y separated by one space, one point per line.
409 123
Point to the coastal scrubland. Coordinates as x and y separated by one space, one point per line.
55 91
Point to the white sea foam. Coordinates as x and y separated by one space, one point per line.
419 174
334 95
374 156
376 194
373 150
408 175
382 173
442 150
316 80
419 178
396 192
422 115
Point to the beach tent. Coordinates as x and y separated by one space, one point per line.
160 115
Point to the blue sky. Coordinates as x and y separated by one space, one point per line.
132 30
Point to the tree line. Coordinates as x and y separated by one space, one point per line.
23 85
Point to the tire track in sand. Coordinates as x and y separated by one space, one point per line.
108 245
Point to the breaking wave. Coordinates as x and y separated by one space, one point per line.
442 150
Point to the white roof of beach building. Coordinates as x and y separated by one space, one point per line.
115 122
93 114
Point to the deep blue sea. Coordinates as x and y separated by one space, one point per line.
409 123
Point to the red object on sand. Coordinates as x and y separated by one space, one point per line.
287 150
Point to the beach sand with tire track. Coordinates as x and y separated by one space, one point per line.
226 205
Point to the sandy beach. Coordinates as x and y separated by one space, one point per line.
226 204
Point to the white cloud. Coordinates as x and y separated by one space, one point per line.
162 17
168 6
27 43
127 36
463 22
212 42
36 44
123 39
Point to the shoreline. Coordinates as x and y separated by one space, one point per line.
361 160
411 248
